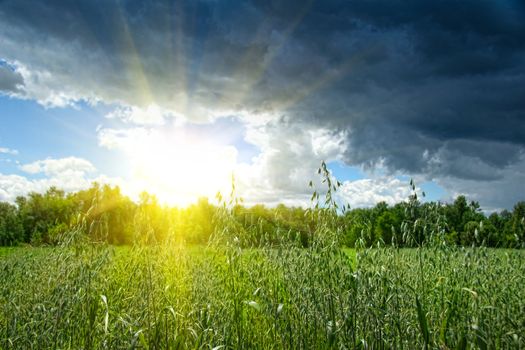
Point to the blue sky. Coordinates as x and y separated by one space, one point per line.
173 96
38 133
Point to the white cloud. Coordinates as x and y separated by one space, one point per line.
369 192
12 186
290 154
122 138
69 166
70 174
10 151
151 115
45 87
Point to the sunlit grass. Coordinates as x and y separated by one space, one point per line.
281 291
203 297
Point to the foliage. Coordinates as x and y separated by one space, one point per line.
266 278
11 229
109 216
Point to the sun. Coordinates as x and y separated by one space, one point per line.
179 168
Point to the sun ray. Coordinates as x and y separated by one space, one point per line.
324 81
135 67
251 74
73 126
174 20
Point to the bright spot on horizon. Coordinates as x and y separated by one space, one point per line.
178 167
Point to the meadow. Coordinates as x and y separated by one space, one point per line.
224 296
258 286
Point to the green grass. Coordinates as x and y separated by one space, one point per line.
5 251
170 296
351 255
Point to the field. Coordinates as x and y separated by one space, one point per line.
89 296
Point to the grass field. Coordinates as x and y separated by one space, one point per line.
215 297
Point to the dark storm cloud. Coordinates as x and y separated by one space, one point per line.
435 88
10 81
443 75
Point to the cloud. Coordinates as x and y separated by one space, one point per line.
12 186
122 138
413 86
10 151
503 192
70 174
59 167
369 192
151 115
289 157
291 153
11 82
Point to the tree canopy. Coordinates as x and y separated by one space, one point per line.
104 214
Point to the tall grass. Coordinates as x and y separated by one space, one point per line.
224 296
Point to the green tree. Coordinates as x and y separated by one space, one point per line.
11 229
46 216
387 227
151 223
517 225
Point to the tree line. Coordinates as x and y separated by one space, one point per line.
102 213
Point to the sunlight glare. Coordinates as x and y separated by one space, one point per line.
179 169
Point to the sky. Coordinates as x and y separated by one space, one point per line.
174 97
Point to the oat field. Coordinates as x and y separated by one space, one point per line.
89 296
